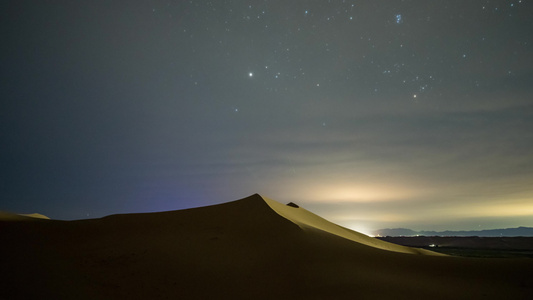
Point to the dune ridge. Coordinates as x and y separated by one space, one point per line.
310 221
36 216
6 216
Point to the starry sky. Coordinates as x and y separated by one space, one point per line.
372 114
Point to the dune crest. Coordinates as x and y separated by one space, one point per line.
36 216
309 221
5 216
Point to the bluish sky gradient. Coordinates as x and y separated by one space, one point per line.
372 114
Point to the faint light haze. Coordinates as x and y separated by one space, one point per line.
411 114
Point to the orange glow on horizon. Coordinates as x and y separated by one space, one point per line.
360 193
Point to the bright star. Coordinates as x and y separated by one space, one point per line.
250 74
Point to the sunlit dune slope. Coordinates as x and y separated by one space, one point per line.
246 249
309 221
5 216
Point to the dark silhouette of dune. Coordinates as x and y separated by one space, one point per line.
253 248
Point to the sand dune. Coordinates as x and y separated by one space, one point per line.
309 221
249 248
5 216
36 215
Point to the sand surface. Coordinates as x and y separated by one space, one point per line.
253 248
306 220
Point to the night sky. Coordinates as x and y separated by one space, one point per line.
372 114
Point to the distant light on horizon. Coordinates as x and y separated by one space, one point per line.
356 193
360 228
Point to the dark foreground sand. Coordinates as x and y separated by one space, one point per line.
252 248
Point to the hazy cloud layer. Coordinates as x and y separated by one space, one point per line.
411 114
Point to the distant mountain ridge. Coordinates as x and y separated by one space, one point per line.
518 231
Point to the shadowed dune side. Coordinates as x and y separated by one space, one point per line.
238 250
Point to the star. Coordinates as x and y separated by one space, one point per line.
398 19
250 74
